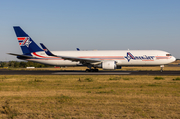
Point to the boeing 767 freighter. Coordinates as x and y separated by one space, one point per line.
105 59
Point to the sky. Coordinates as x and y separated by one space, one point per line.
92 25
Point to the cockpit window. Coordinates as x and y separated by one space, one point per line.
168 55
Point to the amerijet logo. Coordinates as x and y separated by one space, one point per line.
144 57
24 41
45 50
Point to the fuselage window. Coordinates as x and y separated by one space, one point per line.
168 55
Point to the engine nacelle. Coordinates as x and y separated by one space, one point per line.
109 65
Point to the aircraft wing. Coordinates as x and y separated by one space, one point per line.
82 60
25 56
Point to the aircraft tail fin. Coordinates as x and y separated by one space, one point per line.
26 43
48 52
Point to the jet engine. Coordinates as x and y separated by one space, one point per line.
109 65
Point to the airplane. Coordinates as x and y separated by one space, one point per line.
105 59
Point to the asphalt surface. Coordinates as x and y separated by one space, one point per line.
77 72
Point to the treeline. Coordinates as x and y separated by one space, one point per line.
17 64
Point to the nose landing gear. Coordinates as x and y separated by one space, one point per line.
162 67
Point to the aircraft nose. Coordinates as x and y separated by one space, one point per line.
173 58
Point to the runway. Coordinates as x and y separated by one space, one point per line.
78 72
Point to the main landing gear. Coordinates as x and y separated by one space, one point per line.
92 70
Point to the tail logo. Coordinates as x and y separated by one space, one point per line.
144 57
45 50
24 41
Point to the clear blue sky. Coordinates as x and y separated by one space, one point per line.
92 24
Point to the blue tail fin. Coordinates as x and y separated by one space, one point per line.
77 49
26 43
48 52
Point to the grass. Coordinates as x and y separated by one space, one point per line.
89 96
158 78
115 78
177 79
11 113
63 99
126 78
88 79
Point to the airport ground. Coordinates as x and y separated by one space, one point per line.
90 96
168 70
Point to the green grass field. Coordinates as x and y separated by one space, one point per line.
93 96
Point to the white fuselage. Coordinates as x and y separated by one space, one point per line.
121 57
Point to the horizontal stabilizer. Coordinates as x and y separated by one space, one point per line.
24 56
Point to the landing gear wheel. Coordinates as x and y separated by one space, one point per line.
96 70
161 69
92 70
87 70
